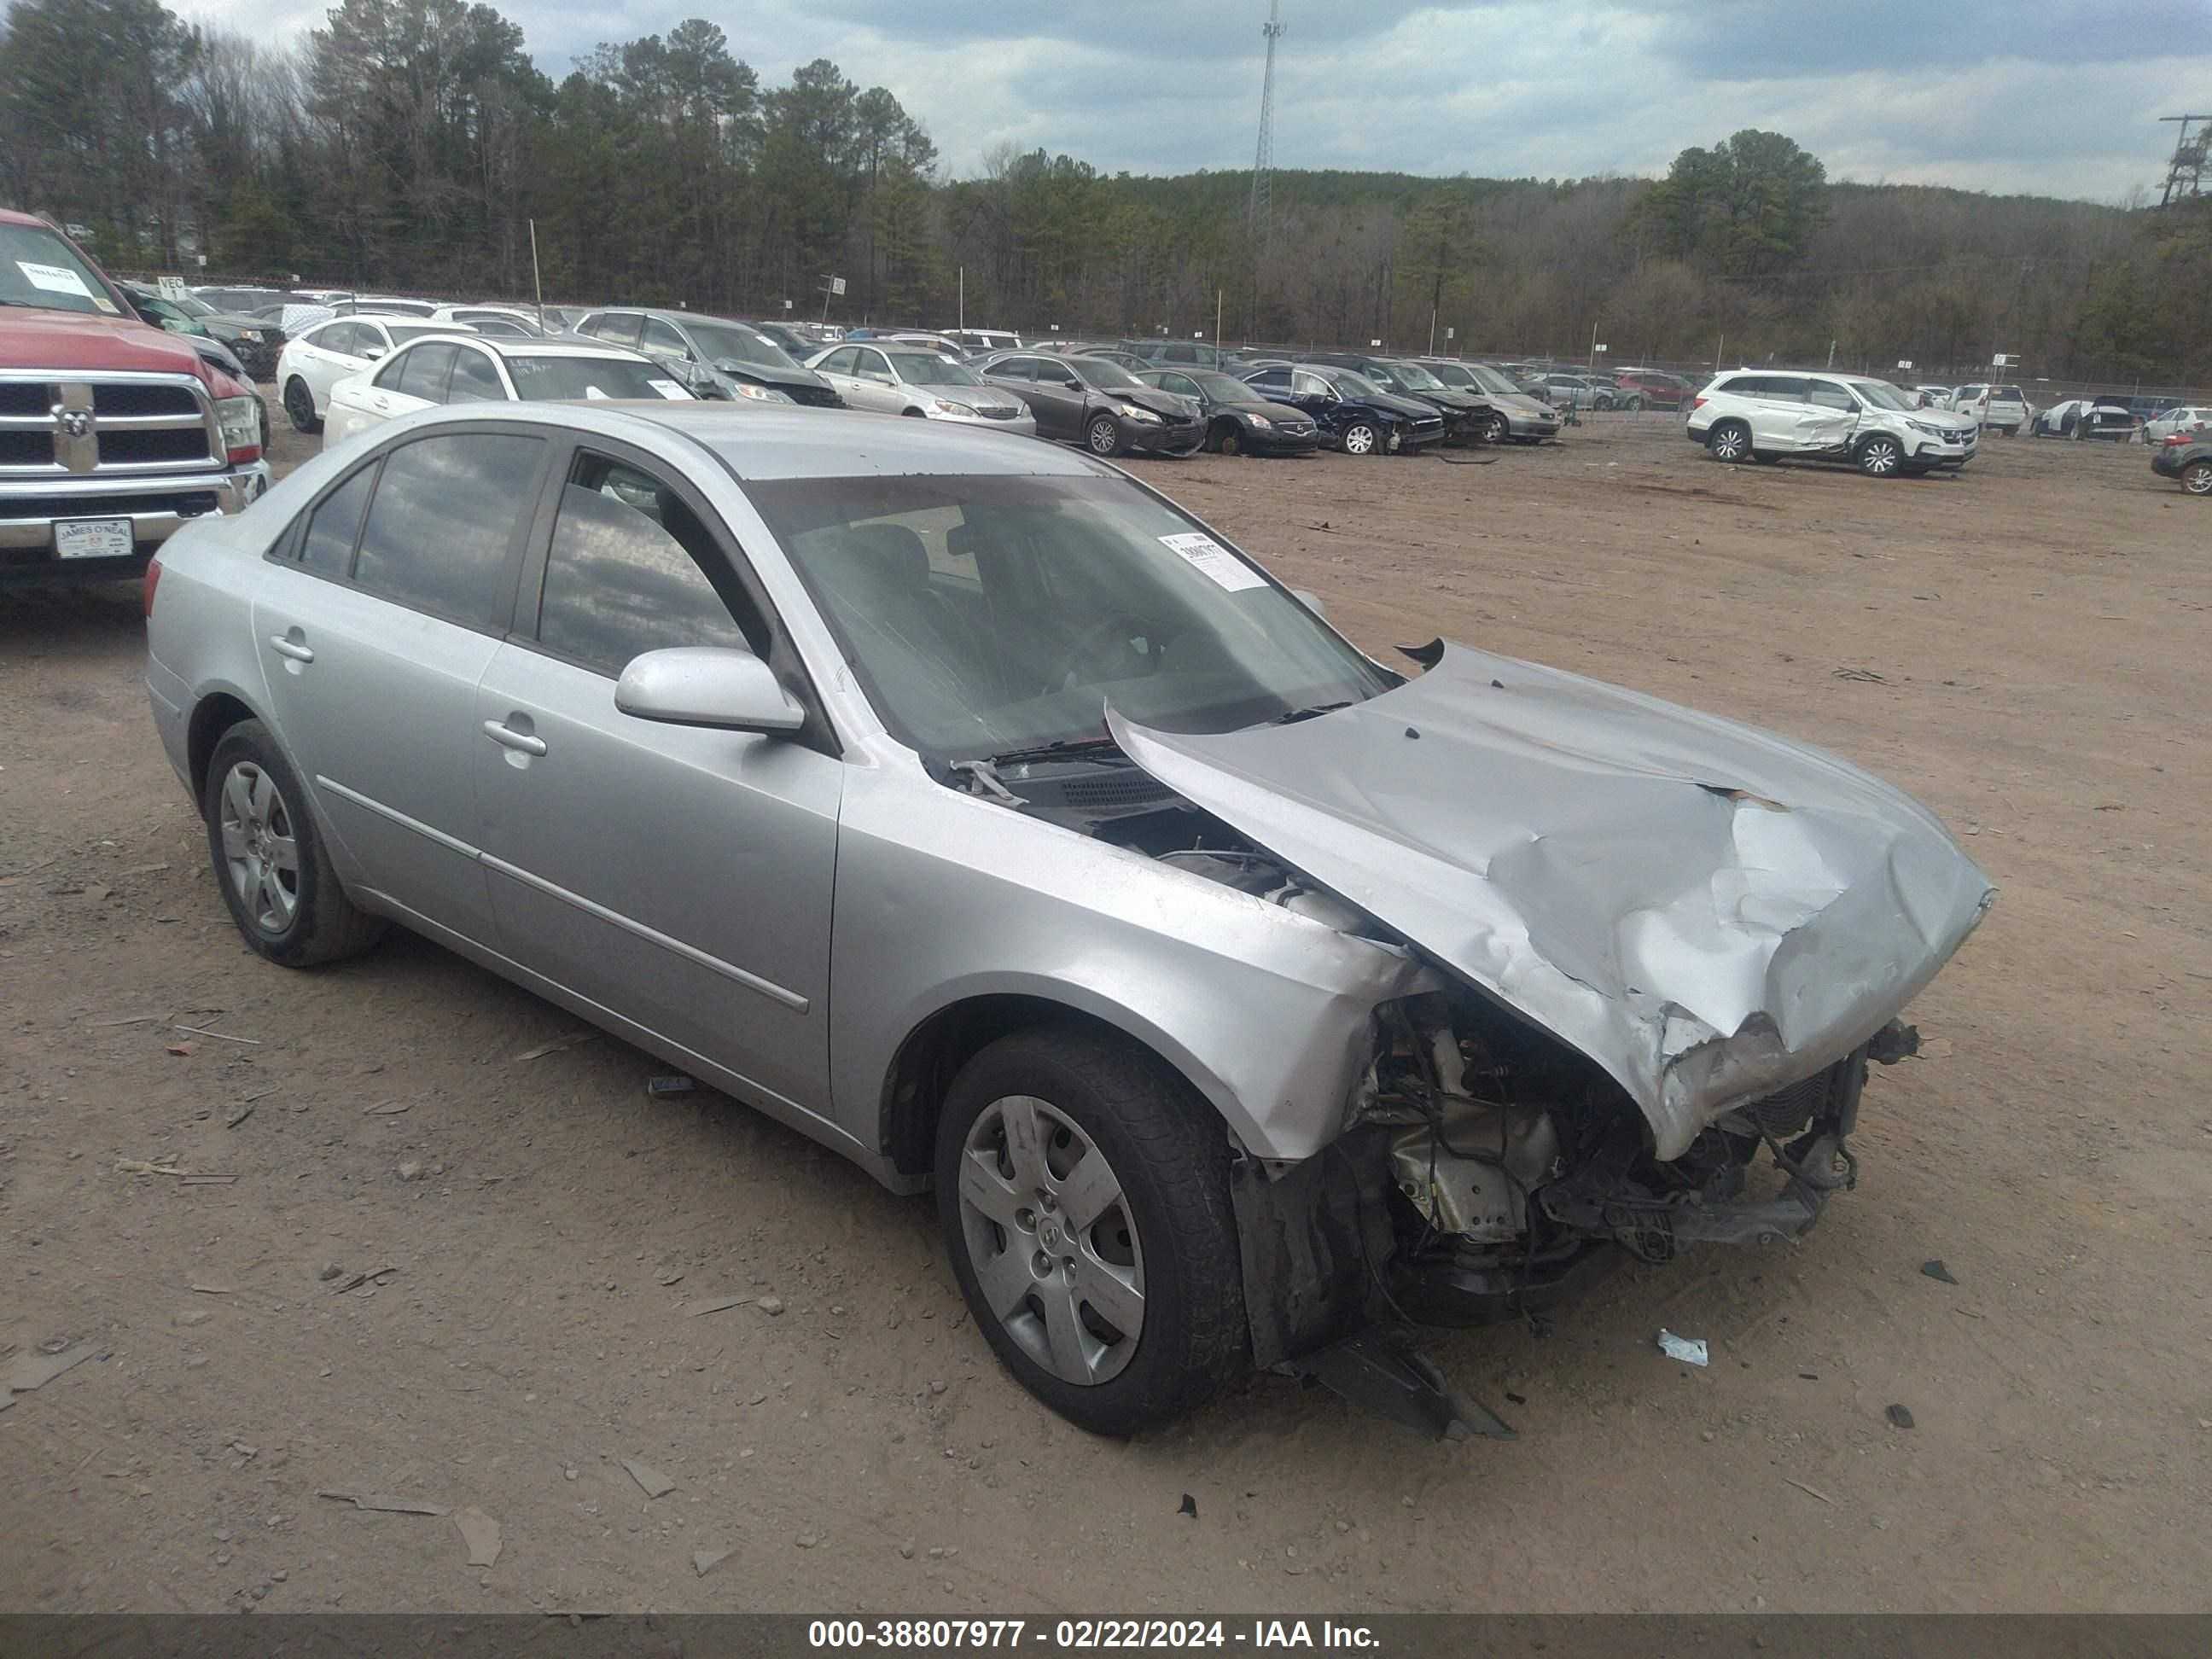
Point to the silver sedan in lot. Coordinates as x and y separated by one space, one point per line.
983 815
894 379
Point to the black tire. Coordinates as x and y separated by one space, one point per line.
1227 439
1495 428
1881 457
1633 404
1164 1145
1730 442
299 407
1763 458
1101 435
2197 478
323 924
915 413
1363 438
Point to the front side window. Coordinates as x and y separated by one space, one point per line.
475 377
623 329
1306 385
327 547
442 526
661 338
985 614
1827 394
870 366
627 573
840 361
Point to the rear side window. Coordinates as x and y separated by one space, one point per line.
338 337
423 370
474 380
441 529
627 573
327 547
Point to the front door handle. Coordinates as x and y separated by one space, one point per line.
283 646
507 738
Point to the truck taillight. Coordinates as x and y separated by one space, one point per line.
152 581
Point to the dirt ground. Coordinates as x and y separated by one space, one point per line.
2024 646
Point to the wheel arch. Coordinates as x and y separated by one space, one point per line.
212 715
932 1054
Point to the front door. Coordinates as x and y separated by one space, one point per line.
678 876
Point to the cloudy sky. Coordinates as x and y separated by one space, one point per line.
2051 96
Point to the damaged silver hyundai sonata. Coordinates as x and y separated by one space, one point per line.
974 809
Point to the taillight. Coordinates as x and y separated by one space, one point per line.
152 581
1696 403
2172 438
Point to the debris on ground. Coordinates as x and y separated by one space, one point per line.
1189 1506
32 1371
410 1170
167 1166
807 1541
481 1533
654 1483
238 1115
383 1502
721 1306
213 1290
668 1276
378 1275
1936 1270
1867 675
1812 1491
331 1270
673 1083
1691 1351
1900 1416
387 1109
558 1045
705 1561
771 1305
218 1036
184 1051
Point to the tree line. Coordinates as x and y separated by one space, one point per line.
410 144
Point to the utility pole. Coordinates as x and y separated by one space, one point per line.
1259 212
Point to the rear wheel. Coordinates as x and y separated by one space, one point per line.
300 406
1104 435
2197 477
1880 456
269 861
1730 441
1361 438
1633 402
1082 1189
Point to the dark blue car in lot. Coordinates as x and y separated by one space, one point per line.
1354 414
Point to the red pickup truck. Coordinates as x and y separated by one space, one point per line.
112 434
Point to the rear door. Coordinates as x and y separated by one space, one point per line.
382 611
677 876
1775 406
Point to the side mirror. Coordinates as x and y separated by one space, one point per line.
373 352
1311 600
718 686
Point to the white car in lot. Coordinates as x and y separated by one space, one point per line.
2003 408
460 368
1757 414
318 358
508 322
2189 417
914 380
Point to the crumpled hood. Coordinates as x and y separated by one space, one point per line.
1708 911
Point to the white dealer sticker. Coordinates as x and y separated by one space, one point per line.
1210 558
55 279
670 390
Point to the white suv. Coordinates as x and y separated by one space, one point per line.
2004 408
1759 414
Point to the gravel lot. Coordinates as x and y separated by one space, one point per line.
2024 645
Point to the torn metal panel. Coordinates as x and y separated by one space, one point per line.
1708 911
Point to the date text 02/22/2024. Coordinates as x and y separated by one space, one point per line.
1087 1635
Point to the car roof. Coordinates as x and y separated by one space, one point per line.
505 347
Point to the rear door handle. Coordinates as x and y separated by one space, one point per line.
284 647
508 738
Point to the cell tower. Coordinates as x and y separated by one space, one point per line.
1263 158
2185 175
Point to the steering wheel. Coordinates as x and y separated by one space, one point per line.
1115 625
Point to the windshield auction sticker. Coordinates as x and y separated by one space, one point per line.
1211 559
55 279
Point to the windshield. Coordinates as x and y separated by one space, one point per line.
722 343
928 368
1415 375
1222 388
989 614
1101 372
1882 395
549 378
40 270
192 307
1491 380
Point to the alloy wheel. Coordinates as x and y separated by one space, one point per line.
259 852
1105 437
1359 440
299 405
2197 478
1880 458
1052 1239
1729 443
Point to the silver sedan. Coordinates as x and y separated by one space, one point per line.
987 817
910 378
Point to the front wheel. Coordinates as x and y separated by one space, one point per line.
1104 435
1083 1190
1229 441
2197 477
1881 457
1634 404
1495 428
299 407
1361 438
1730 442
275 875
